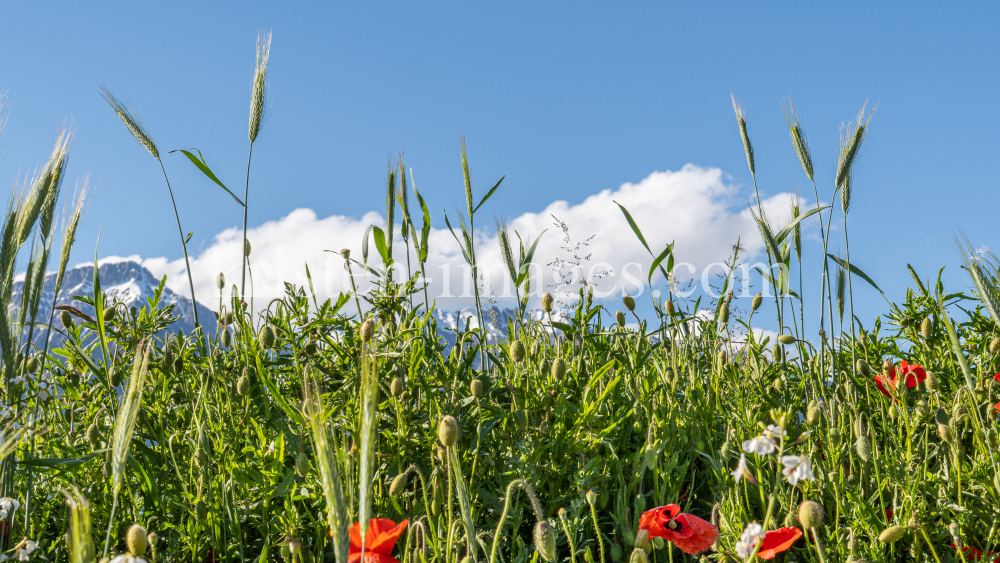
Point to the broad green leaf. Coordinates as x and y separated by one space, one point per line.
656 262
635 228
855 270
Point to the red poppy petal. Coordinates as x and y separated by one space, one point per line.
649 523
383 534
776 541
673 510
703 534
996 378
880 382
355 533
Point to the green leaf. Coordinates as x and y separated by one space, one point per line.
656 262
425 232
635 228
488 194
203 166
855 270
568 329
529 255
383 250
784 232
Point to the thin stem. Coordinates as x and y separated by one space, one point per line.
187 262
111 523
246 205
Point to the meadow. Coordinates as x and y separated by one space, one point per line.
346 430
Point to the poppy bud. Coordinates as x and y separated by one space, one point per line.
862 368
558 369
727 448
66 318
367 330
791 519
94 435
757 300
941 417
201 510
533 351
301 464
629 302
670 308
396 387
116 378
135 539
591 497
227 338
650 457
398 485
153 539
477 388
448 431
246 248
638 556
620 318
723 357
547 301
520 419
110 313
310 348
220 281
544 536
886 365
776 352
778 385
642 540
813 412
811 514
944 432
995 345
266 337
32 366
786 339
243 385
724 314
931 383
516 351
922 409
864 448
925 328
891 534
616 553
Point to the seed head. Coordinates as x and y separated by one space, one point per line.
398 485
396 387
638 556
864 448
301 464
448 431
811 514
136 540
620 318
591 497
629 302
367 330
227 337
953 531
891 534
477 388
153 539
757 300
786 339
516 351
66 318
925 328
243 385
670 308
220 280
547 301
266 337
558 369
544 536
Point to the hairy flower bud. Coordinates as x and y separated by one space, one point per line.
723 357
670 308
66 318
544 537
448 431
516 351
246 248
94 435
931 383
995 345
220 281
243 385
136 540
944 432
813 412
862 368
266 337
398 485
396 387
301 464
786 339
620 318
367 330
629 302
864 448
925 328
891 534
477 388
642 540
811 514
520 419
227 337
558 369
638 556
757 300
547 301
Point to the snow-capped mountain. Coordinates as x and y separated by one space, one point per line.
124 281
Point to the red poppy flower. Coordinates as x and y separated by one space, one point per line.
688 532
973 554
379 540
913 374
996 378
776 541
888 514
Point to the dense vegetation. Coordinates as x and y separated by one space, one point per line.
265 440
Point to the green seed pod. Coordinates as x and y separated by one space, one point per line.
135 539
813 412
396 387
477 388
246 248
516 351
398 485
995 345
671 310
448 431
520 419
266 337
757 300
94 435
629 302
243 385
201 510
891 534
811 514
227 338
591 497
862 368
944 432
925 328
791 519
115 378
301 464
367 330
220 281
638 556
547 301
558 369
864 448
310 348
544 537
786 339
110 313
620 318
66 318
32 366
776 352
153 539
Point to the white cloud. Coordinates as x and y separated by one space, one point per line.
696 207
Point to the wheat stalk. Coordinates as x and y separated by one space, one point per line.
337 517
258 89
369 413
81 544
742 122
798 139
133 122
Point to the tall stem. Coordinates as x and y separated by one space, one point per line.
777 291
187 262
850 292
824 287
243 251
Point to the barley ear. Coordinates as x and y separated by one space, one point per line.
132 121
741 120
128 413
798 139
258 89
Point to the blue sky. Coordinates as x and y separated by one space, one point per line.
566 99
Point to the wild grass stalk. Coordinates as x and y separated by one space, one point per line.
366 427
325 444
258 110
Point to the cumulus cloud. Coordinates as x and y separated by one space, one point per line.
696 207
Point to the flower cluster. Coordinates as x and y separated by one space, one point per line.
8 506
23 549
771 544
796 468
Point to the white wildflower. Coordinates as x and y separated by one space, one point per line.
128 558
751 535
775 432
797 468
8 505
761 445
742 471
